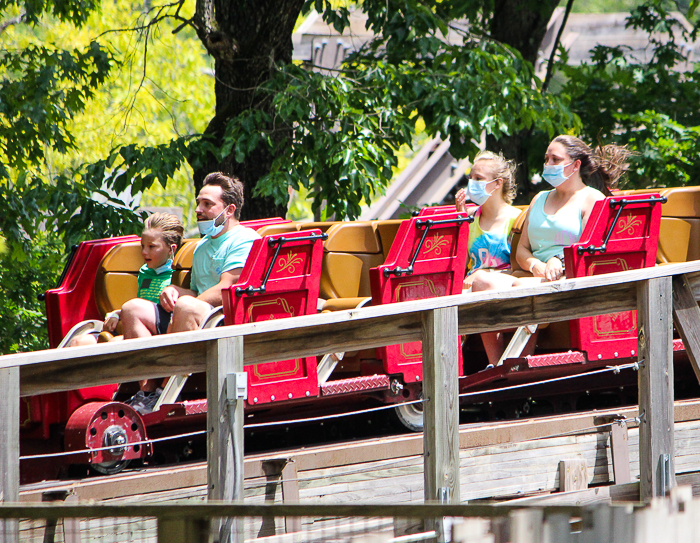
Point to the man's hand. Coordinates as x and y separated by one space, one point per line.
168 298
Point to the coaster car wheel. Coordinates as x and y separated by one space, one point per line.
410 415
111 434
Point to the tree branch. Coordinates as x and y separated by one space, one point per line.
203 16
550 65
13 21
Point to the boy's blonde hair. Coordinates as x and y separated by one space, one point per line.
169 225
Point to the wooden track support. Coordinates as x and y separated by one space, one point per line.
655 380
9 448
441 410
225 440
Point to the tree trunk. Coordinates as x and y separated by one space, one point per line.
248 40
521 25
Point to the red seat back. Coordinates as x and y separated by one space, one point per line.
256 224
427 259
280 279
440 210
73 300
622 233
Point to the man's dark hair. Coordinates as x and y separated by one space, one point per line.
231 187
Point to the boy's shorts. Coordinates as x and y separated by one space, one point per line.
162 319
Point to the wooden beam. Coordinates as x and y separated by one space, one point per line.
441 408
175 529
557 529
619 445
686 317
573 475
225 425
9 448
67 369
655 380
290 494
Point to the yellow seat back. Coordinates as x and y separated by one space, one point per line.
352 248
116 280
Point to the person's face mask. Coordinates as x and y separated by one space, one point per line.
209 227
476 191
554 173
165 267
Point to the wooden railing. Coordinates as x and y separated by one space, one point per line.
661 295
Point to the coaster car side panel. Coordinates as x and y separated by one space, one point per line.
280 280
621 234
427 259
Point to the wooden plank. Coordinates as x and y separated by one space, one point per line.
557 529
290 494
620 452
225 425
9 448
347 454
169 354
573 475
526 525
441 409
686 317
174 529
655 381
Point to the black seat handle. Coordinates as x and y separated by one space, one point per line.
620 204
398 271
279 242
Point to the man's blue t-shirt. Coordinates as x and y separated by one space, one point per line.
214 256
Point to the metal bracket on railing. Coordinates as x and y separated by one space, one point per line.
428 223
279 242
620 204
666 481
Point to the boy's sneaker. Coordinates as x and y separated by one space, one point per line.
144 402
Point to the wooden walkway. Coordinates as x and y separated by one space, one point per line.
661 295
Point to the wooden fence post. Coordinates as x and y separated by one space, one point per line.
225 440
9 448
182 530
441 409
619 444
656 452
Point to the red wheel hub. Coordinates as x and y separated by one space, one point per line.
106 424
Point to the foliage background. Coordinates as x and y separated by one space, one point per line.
85 122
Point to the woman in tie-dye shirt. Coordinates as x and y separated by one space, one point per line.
492 188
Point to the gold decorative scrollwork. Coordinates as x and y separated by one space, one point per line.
628 224
435 244
290 262
277 301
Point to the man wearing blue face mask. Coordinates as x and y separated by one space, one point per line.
217 263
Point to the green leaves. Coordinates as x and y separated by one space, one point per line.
338 134
40 92
651 106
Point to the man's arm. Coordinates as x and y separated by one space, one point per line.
213 295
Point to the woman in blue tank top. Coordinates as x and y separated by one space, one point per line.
580 176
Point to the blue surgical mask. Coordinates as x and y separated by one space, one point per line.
476 191
554 174
209 227
165 267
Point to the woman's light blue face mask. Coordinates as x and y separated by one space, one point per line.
554 173
476 191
